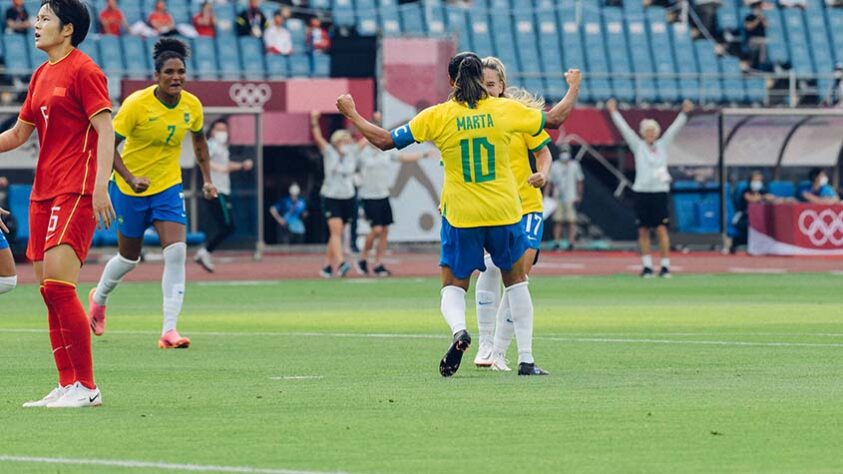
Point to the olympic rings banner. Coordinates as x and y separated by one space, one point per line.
796 229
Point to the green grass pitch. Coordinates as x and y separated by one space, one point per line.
695 374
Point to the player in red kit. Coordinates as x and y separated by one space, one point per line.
68 104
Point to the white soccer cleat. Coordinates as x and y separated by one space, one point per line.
78 396
51 397
499 363
484 355
203 258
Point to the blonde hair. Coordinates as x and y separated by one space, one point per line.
515 93
340 135
495 64
648 124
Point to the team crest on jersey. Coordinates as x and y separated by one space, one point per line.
187 117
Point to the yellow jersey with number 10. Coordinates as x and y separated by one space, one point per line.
519 153
154 133
479 189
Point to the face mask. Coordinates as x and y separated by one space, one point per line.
565 157
294 190
756 186
221 137
823 180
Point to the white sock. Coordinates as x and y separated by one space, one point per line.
521 305
116 268
666 262
172 283
8 284
505 329
487 295
453 307
647 261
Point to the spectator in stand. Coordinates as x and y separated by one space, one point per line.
290 212
755 192
318 38
251 21
613 3
755 25
204 21
803 4
818 190
17 19
834 3
706 11
277 38
161 20
112 21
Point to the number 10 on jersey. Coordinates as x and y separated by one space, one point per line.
473 153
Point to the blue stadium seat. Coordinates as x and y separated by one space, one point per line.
642 61
180 9
756 89
367 23
298 33
733 84
619 62
390 21
321 65
300 65
277 66
727 16
228 58
776 39
683 48
91 47
111 54
321 4
835 27
800 51
662 55
707 60
819 41
434 18
481 37
457 23
412 19
251 57
596 58
205 58
550 54
504 39
133 11
785 189
572 46
343 13
135 55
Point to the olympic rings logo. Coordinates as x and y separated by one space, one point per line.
250 95
823 227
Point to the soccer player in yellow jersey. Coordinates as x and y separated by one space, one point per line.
487 291
480 204
147 186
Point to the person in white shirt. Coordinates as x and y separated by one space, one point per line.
277 38
339 160
374 191
652 181
221 208
566 179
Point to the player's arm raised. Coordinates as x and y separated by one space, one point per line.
321 143
557 115
203 158
15 136
103 211
377 136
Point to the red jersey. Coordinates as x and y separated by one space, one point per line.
66 95
112 21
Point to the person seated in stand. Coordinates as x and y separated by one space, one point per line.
818 191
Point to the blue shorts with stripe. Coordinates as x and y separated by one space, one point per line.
4 244
462 248
533 223
136 213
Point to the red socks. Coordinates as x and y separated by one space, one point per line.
72 343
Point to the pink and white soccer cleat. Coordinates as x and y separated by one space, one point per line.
96 314
172 340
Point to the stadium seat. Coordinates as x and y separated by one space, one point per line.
320 65
835 27
277 66
458 23
504 39
756 89
228 57
663 60
434 17
251 57
412 19
390 21
776 39
343 13
572 46
205 58
298 33
686 65
300 65
367 23
134 52
320 4
785 189
797 40
709 67
733 84
180 9
598 65
90 47
481 37
619 62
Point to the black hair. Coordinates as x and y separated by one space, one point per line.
169 48
468 83
211 128
72 12
812 175
454 63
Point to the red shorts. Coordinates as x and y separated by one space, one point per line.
67 219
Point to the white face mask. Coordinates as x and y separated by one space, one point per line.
756 186
294 191
823 180
565 157
221 137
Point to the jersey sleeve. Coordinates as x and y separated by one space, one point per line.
199 120
92 88
525 119
126 118
537 142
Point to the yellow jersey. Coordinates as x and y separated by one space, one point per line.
479 188
519 146
154 133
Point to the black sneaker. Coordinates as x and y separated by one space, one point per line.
363 267
381 271
343 269
665 273
530 369
450 362
647 272
326 272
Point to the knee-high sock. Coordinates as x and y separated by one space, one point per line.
504 328
521 306
487 297
75 329
116 268
66 374
172 283
8 283
453 307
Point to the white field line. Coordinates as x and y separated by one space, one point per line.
239 283
759 271
647 339
297 377
128 464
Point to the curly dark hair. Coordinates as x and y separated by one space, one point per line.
169 48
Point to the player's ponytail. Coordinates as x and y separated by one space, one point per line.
169 48
468 84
